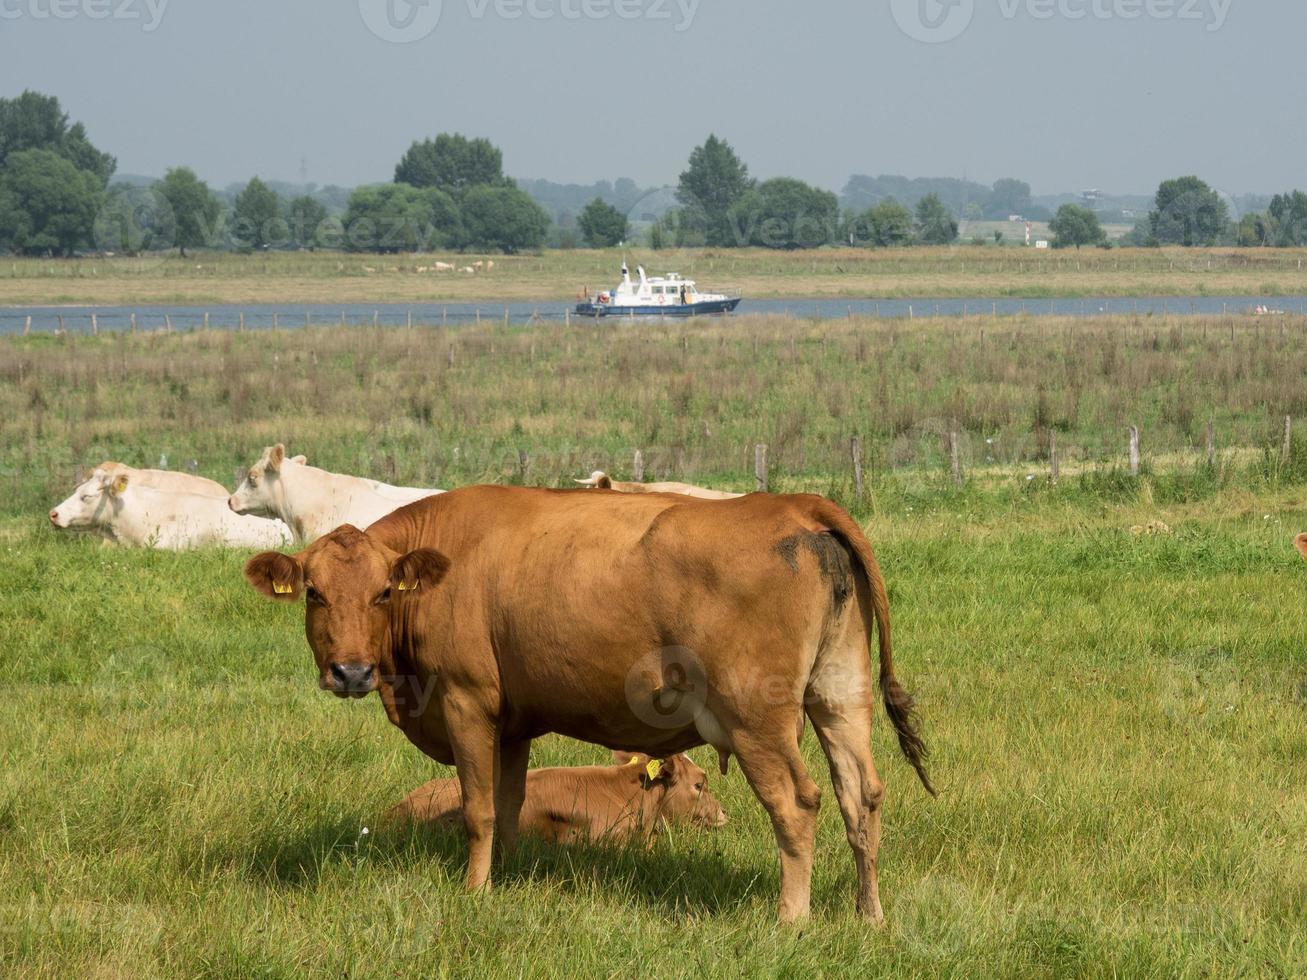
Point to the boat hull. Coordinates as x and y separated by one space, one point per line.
713 308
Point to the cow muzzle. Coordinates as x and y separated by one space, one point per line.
350 680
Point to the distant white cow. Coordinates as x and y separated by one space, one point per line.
127 510
600 480
314 502
443 267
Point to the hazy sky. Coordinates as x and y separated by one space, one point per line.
1067 94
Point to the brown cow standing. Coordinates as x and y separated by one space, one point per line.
633 799
492 615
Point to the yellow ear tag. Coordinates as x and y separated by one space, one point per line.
405 587
635 761
283 588
653 769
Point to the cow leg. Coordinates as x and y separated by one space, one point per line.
476 748
778 777
845 735
510 791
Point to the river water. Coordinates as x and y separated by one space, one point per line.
78 319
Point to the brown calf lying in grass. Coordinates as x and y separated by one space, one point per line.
1301 542
629 801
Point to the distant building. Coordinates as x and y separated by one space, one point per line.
1015 218
1041 244
1091 199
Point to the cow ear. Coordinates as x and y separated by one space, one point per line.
417 569
629 758
665 771
118 485
276 456
277 576
300 460
1301 542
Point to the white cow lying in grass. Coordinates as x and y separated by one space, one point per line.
162 479
599 480
143 507
314 502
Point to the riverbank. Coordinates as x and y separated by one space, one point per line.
943 273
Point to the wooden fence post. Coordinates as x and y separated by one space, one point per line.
167 322
1134 450
855 450
206 320
637 467
760 467
523 463
1288 437
1052 455
133 323
61 323
241 328
955 458
27 327
1211 444
95 326
410 319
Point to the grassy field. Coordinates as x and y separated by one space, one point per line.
1118 727
446 407
961 271
1118 722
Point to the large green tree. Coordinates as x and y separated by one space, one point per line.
452 163
37 122
1008 197
935 224
602 225
785 213
503 218
256 217
1074 225
886 225
711 185
195 210
305 218
1188 212
401 218
1289 214
46 203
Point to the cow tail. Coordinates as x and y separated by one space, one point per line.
899 704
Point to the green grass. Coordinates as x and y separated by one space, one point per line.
446 407
1118 729
1118 723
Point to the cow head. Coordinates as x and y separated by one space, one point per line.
599 480
260 491
686 798
1301 542
93 503
352 586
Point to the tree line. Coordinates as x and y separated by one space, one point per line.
450 193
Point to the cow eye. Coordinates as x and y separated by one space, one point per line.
698 788
314 596
382 599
